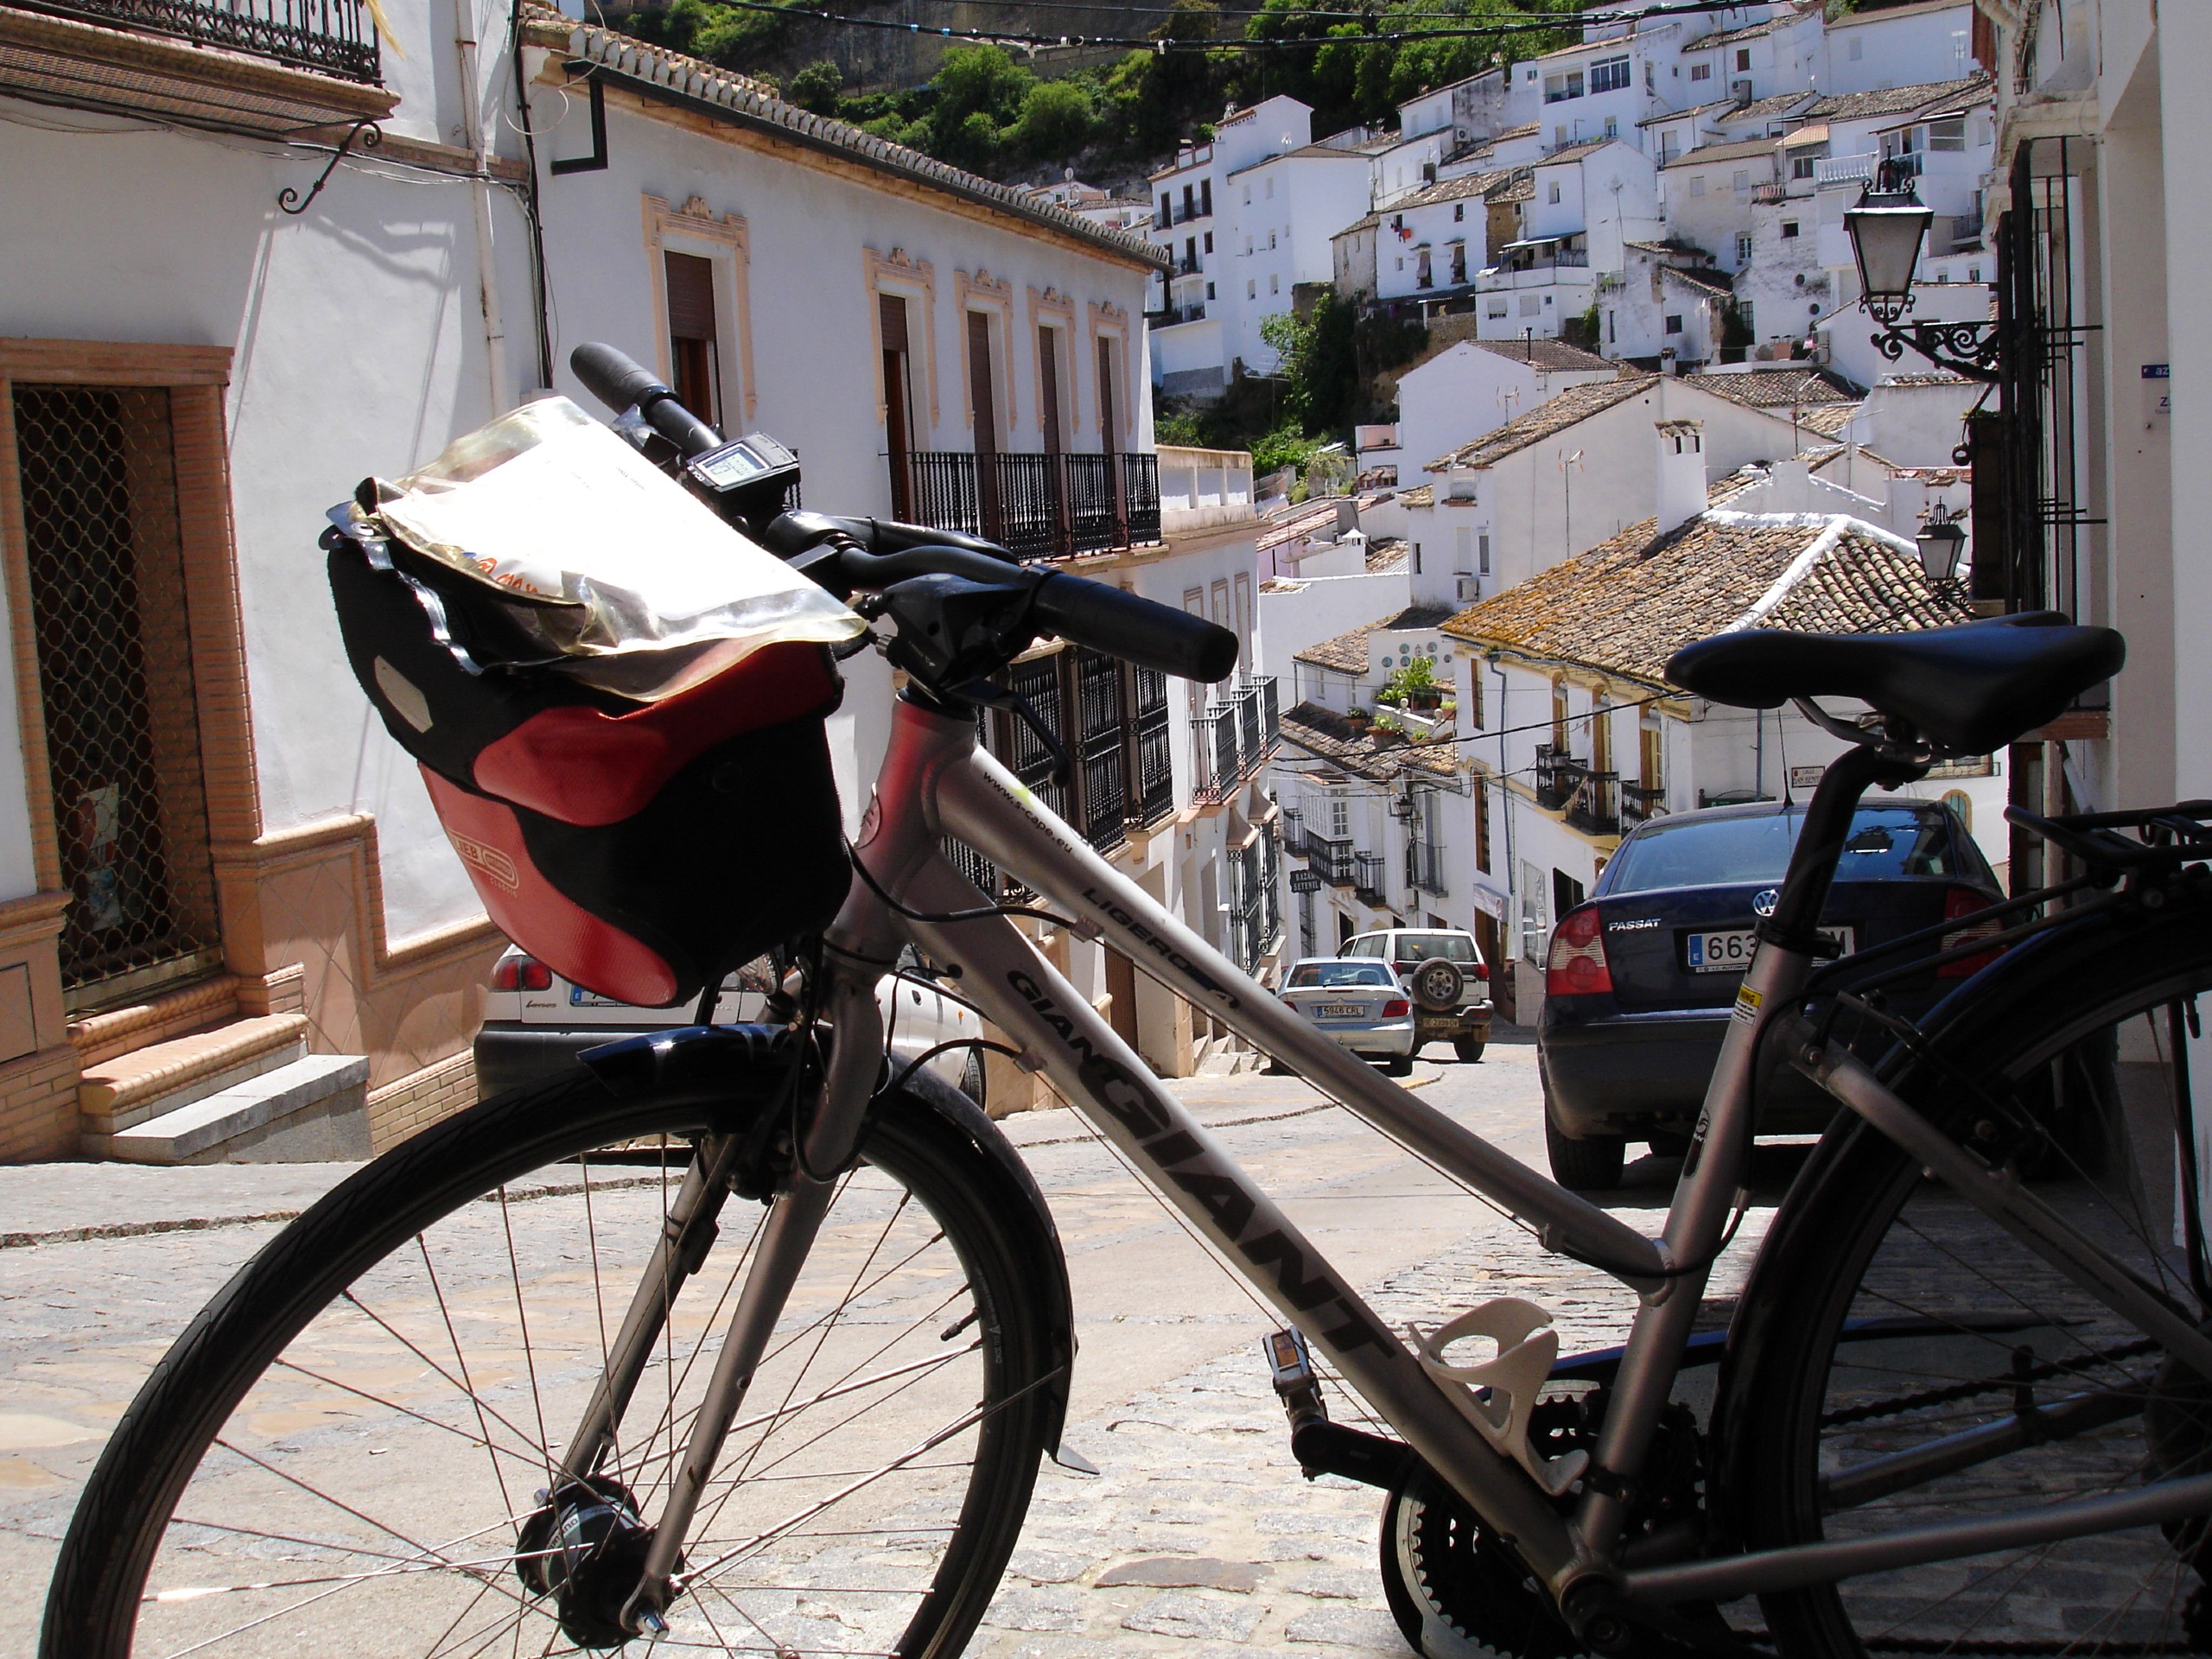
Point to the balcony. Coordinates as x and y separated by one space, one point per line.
1425 868
1370 873
1332 860
326 37
1255 899
1769 193
1034 505
1557 772
1169 316
1595 808
1845 170
1233 736
1294 831
1641 805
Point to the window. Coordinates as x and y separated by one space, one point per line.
1800 167
1948 135
1247 193
1190 253
1209 242
1532 927
1167 211
1458 212
1271 241
1858 49
1553 193
1673 322
1788 230
1209 290
1494 308
1700 71
693 361
1459 262
1559 88
1271 184
1697 184
1274 283
1248 245
1612 333
1464 564
1529 307
1612 126
1558 716
1609 75
1482 817
1744 310
1481 553
1205 197
1339 815
1651 746
1559 135
1743 180
1742 58
1251 290
1743 247
1190 202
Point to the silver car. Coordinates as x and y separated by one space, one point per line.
1359 1001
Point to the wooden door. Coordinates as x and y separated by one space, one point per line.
898 403
983 410
1122 988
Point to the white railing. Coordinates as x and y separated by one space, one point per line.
1847 169
1216 483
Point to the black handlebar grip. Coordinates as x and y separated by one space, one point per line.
618 381
1139 631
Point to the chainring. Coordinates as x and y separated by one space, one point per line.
1458 1591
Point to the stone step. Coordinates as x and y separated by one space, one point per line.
126 1089
313 1110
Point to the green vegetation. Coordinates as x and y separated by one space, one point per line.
1414 686
986 111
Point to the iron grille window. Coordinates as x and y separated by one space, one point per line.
110 621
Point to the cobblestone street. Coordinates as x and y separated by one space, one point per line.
1198 1534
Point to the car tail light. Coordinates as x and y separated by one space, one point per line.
1960 902
1482 972
521 974
1396 1008
1577 965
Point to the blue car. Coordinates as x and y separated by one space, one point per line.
1639 980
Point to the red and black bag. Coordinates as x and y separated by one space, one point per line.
640 850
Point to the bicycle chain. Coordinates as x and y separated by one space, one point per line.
1898 1404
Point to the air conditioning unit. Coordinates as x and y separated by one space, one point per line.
1740 91
1470 590
1823 346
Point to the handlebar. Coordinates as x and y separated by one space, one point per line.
620 383
1136 630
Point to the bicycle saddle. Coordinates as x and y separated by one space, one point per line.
1968 689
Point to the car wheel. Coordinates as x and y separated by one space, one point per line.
1438 985
1399 1066
1469 1049
1591 1164
971 1077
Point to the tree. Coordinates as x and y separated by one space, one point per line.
979 92
816 87
1320 366
1054 122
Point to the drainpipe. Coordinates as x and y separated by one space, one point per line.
480 193
1505 811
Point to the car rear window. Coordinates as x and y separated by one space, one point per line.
1334 976
1884 841
1422 947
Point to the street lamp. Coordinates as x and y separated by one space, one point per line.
1940 541
1887 229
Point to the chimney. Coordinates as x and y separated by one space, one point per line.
1680 472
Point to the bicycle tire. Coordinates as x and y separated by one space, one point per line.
224 1394
1816 1392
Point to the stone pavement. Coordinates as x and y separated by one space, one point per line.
1198 1534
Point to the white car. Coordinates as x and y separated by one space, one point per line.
537 1023
1360 1002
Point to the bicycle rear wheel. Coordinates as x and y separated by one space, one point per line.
1903 1360
345 1453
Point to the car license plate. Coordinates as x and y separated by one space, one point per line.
580 998
1728 950
1339 1011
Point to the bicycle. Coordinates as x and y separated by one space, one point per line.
821 1434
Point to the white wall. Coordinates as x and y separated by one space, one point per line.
1464 391
1850 331
1292 620
1871 51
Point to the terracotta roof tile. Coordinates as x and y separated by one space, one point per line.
1324 732
1458 189
1347 652
1629 604
1829 420
1554 415
1546 354
1895 100
1778 388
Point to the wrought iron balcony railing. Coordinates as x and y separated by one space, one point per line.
1036 506
1332 860
1556 773
1641 805
1425 868
1254 901
327 37
1370 877
1234 736
1595 808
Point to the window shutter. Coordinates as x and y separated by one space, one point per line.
690 296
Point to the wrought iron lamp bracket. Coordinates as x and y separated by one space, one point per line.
365 133
1965 348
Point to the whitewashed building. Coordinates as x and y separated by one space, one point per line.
270 262
1587 203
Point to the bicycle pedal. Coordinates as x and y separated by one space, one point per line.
1290 1365
1499 1394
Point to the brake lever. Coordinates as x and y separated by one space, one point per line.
1013 702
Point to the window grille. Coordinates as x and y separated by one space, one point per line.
110 619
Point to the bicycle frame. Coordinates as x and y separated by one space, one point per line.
935 782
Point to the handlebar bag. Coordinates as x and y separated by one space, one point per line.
639 850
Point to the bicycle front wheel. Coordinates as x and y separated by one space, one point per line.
1908 1361
350 1451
